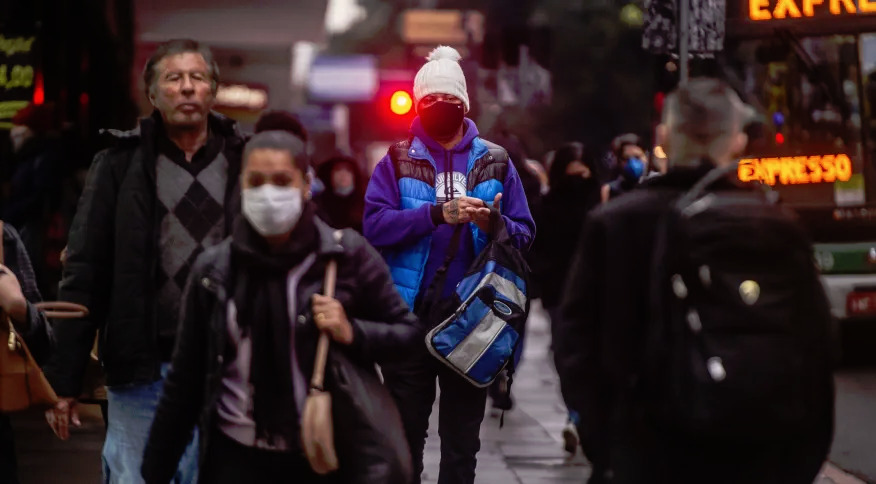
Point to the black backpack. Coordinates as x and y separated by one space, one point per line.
738 346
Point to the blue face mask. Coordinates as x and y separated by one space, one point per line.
634 169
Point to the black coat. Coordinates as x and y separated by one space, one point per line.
337 211
112 258
599 348
384 330
562 216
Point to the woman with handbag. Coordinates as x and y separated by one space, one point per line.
18 298
252 314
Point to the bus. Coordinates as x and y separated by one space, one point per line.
808 70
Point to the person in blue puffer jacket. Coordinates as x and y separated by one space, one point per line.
444 175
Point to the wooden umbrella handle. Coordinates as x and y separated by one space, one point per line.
62 309
316 382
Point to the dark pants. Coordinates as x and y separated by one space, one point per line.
8 462
229 462
460 413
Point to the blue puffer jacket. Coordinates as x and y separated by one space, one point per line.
403 191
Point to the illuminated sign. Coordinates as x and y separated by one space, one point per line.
241 96
16 75
796 170
785 9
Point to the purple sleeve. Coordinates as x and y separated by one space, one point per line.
515 211
384 223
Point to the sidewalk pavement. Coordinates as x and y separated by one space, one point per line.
529 449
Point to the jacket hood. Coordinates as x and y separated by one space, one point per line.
324 173
469 134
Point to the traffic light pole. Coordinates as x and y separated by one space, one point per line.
683 40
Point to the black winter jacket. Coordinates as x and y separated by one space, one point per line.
598 354
384 330
112 258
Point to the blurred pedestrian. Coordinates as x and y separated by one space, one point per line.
166 191
443 176
34 196
245 356
342 203
574 192
693 339
632 165
18 292
289 122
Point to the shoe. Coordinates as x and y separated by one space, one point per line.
570 438
501 394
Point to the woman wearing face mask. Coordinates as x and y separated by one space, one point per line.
632 164
342 203
574 192
252 312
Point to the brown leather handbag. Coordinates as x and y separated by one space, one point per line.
22 383
317 428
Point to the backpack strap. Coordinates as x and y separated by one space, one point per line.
436 287
715 175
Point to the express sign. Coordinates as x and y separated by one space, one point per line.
784 9
796 170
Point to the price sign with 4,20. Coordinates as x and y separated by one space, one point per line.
17 74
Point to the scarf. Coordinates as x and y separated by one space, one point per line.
261 298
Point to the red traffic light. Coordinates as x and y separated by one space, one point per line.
401 103
780 138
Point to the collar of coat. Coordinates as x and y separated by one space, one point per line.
147 128
218 269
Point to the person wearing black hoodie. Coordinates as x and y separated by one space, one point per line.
574 192
342 203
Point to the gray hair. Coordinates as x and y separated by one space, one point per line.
280 141
180 46
702 116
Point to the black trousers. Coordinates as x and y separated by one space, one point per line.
460 413
229 462
8 461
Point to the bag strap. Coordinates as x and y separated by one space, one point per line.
433 292
322 347
700 187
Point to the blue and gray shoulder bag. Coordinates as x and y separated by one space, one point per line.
488 311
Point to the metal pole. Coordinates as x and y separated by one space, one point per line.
683 40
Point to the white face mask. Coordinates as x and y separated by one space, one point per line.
272 210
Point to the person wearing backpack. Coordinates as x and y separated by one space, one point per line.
442 178
695 331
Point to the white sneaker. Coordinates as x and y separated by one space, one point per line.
570 438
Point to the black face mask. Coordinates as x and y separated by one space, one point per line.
442 119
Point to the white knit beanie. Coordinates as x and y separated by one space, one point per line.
441 75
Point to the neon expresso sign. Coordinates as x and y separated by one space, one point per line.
764 10
796 170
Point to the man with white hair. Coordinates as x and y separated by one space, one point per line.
680 310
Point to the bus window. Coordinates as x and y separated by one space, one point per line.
805 92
